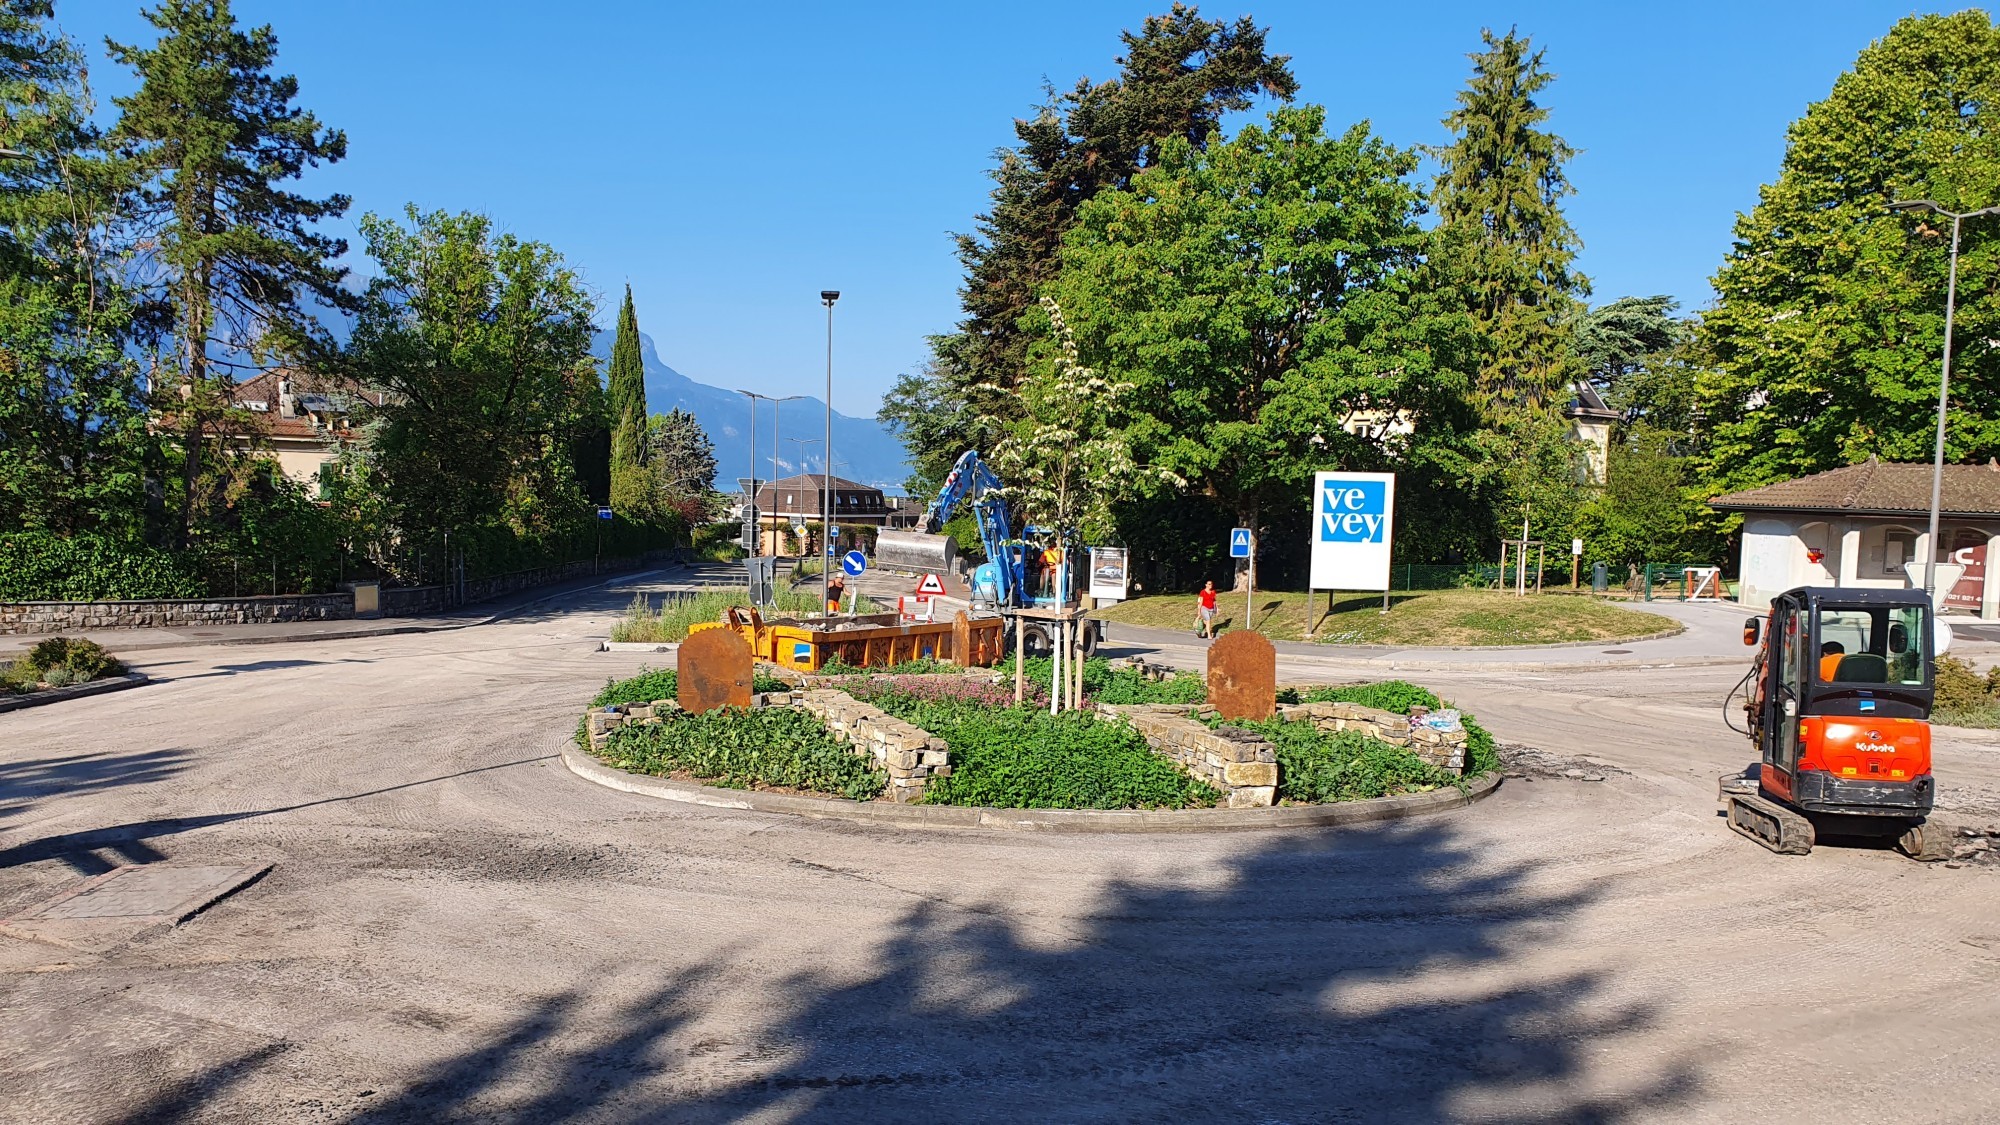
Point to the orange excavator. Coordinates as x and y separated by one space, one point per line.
1839 705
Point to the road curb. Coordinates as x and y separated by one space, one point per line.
74 691
1034 820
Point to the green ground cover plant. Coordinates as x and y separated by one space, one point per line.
1023 758
1397 697
769 747
1318 767
1102 684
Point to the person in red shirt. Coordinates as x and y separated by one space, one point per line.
1208 610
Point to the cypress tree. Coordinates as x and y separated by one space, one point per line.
627 400
1504 243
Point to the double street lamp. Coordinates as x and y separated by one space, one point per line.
753 396
827 297
1944 380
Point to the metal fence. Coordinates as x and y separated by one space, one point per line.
1648 580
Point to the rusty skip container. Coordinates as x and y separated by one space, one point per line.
879 640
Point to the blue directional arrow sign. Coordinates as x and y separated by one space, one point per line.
1239 543
854 562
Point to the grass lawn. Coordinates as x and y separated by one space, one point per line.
1415 617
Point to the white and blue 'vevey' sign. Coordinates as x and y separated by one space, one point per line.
1353 524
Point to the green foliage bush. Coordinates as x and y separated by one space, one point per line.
80 659
41 566
776 746
1316 767
1019 758
1964 697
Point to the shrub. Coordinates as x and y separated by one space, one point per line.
81 659
1022 758
1959 688
41 566
21 675
741 749
1316 767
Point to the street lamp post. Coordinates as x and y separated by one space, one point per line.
753 396
827 297
1944 377
750 510
774 455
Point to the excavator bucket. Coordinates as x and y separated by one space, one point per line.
914 551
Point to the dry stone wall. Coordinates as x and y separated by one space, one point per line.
68 617
908 754
1444 749
1242 765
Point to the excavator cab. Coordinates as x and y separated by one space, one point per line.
1839 708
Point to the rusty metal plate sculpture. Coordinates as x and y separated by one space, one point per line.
1243 676
714 668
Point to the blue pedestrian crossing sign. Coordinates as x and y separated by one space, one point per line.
854 562
1239 543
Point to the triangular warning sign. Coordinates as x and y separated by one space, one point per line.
931 584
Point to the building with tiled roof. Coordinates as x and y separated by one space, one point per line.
298 420
1867 525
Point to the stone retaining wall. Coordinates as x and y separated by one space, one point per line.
910 755
1444 749
168 613
67 617
1237 762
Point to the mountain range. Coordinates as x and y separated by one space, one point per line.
863 448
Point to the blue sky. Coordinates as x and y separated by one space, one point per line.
729 161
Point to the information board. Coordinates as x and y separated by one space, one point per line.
1353 525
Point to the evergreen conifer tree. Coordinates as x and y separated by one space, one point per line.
214 136
1503 241
626 392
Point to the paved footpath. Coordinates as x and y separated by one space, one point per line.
457 929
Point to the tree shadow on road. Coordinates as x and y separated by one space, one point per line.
24 783
1384 974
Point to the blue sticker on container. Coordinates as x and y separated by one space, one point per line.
801 650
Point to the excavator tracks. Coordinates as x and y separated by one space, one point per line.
1928 842
1770 824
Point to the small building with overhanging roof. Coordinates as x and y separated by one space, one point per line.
1867 525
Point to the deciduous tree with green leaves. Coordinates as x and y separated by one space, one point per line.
1257 296
236 259
1178 75
1822 349
482 341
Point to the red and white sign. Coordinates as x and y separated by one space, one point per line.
931 584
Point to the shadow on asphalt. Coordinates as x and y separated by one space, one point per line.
24 783
1364 976
132 842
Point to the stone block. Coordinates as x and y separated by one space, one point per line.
1250 774
1253 797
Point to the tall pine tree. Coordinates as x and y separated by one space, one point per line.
626 391
1503 241
1179 74
237 263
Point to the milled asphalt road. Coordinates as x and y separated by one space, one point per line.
457 929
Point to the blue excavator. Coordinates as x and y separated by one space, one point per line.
1008 577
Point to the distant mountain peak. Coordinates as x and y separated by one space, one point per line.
863 449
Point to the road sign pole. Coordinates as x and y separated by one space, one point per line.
1250 588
